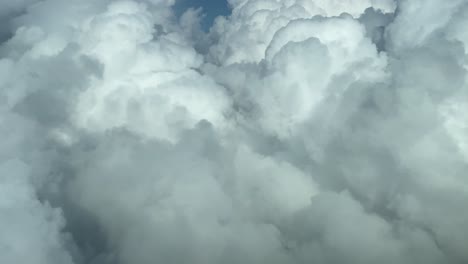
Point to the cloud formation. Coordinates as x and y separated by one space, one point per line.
292 132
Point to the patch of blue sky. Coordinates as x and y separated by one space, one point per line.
211 9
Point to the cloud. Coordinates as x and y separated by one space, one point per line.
30 229
291 132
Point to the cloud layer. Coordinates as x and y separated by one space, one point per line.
299 131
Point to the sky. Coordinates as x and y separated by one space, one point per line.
283 132
211 9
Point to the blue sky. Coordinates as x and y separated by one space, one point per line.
211 8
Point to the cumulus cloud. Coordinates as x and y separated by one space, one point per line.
291 132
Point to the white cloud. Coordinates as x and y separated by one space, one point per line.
293 132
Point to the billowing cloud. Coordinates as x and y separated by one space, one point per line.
291 132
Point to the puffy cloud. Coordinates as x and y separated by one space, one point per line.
144 84
185 198
30 229
247 33
292 132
